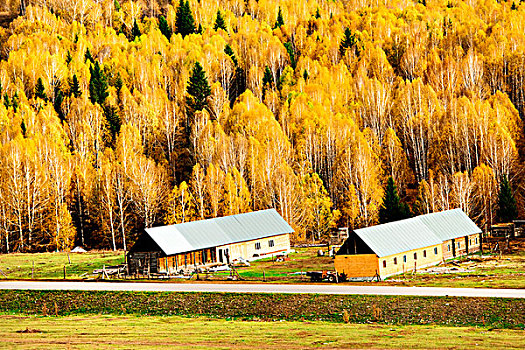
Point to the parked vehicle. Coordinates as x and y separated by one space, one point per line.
330 276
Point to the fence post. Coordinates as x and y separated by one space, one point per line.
64 271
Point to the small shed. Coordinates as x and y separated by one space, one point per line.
248 236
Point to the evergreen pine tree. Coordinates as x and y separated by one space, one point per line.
349 41
118 83
23 128
229 51
185 24
268 81
113 120
289 49
238 81
305 75
198 90
7 101
88 56
219 22
74 87
513 6
165 28
14 102
98 85
199 30
280 20
507 209
135 32
57 104
392 209
69 58
317 14
40 90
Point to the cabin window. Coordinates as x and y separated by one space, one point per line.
384 263
435 251
448 247
271 243
458 245
258 245
404 258
476 241
415 256
395 261
424 253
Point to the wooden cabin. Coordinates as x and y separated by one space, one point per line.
249 236
407 245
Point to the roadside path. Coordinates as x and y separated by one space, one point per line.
263 288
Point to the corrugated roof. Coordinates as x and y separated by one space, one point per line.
397 237
418 232
450 224
195 235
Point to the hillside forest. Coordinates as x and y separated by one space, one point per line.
117 115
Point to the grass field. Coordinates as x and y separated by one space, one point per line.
108 331
494 272
51 265
503 313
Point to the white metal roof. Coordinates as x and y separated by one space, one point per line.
397 237
418 232
195 235
450 224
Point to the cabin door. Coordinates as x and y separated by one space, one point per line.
220 255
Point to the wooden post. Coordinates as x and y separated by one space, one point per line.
33 270
64 271
264 276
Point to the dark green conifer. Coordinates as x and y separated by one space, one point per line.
305 75
14 102
513 6
98 85
349 41
317 14
290 50
165 28
74 87
392 209
185 23
135 32
507 209
199 30
88 57
118 83
198 90
229 51
57 103
68 58
268 81
219 22
114 122
40 90
280 20
7 101
23 128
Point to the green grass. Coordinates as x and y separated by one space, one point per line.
507 272
110 331
446 311
51 265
